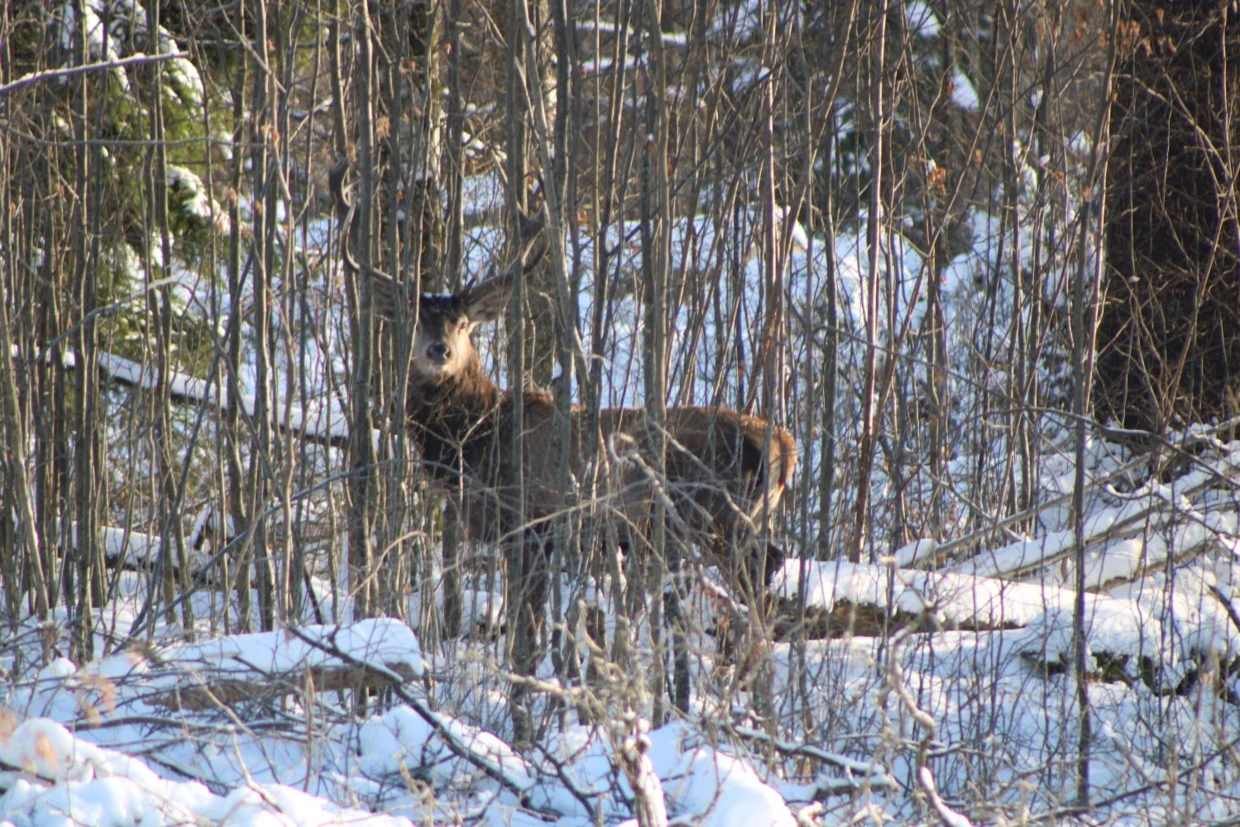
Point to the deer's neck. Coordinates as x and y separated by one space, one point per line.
453 421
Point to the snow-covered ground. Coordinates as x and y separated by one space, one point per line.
915 693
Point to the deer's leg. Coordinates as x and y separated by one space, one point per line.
528 580
771 560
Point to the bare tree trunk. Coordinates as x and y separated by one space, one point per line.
534 67
236 497
267 208
554 119
656 231
21 495
523 602
607 184
285 568
1086 308
870 405
172 556
88 448
454 179
362 484
19 523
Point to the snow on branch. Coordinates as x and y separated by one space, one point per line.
858 775
324 424
137 59
1169 517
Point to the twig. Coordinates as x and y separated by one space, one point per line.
875 776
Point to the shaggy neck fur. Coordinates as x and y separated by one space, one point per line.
453 419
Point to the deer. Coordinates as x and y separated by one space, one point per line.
724 471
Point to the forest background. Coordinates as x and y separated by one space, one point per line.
979 258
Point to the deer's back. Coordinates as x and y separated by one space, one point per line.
725 471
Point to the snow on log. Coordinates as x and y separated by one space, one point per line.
271 664
124 548
954 601
1174 519
132 550
322 424
1168 638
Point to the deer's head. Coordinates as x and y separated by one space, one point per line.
442 347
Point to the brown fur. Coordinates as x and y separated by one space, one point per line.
725 471
716 468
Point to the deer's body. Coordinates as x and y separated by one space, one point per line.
719 471
724 471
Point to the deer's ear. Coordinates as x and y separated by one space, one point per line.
487 301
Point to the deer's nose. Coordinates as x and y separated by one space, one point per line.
438 352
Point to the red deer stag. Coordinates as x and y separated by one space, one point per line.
725 471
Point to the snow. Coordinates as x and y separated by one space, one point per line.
59 779
195 202
609 27
964 93
128 33
922 20
388 742
915 551
716 790
101 743
1126 535
50 776
256 728
952 599
377 640
327 423
1175 627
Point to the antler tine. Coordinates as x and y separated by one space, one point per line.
344 212
335 182
535 227
387 288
